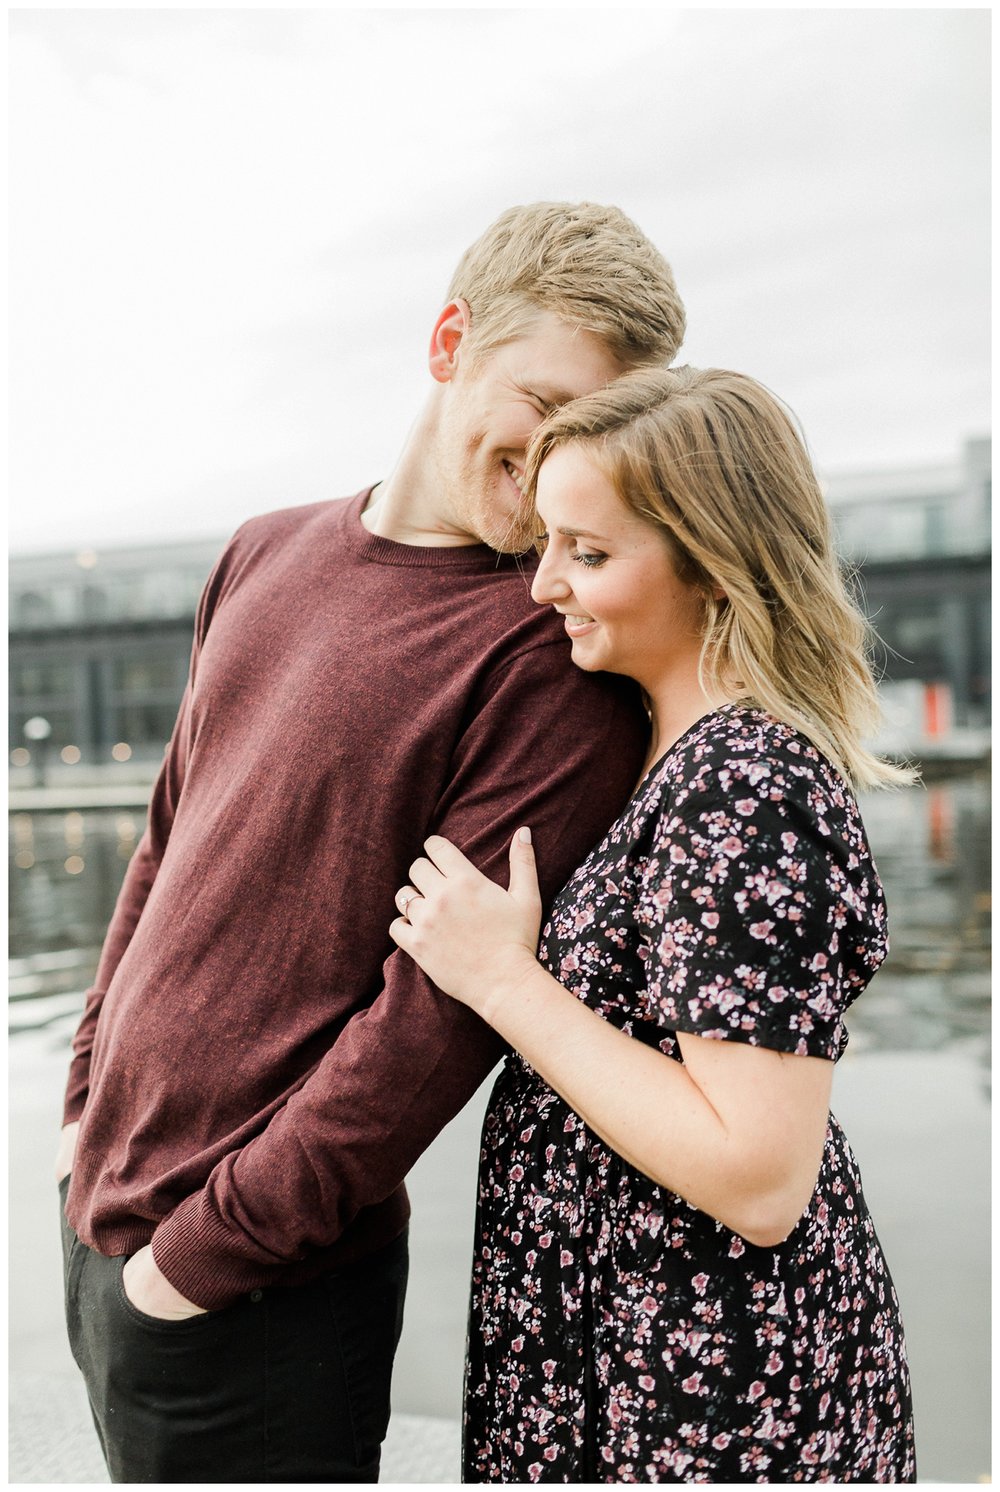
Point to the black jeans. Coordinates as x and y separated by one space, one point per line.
287 1385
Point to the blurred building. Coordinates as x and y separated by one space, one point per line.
100 642
99 650
919 542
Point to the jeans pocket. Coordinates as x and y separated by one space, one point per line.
68 1236
366 1306
72 1257
180 1327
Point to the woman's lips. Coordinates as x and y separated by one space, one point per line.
579 626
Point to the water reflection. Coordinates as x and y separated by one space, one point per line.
932 848
931 845
66 870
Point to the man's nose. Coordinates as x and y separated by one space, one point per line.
548 585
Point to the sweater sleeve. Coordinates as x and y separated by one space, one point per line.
551 747
141 871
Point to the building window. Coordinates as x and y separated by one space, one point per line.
917 631
145 690
32 609
146 725
95 603
936 537
144 675
40 677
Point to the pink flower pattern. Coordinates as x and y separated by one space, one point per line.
735 897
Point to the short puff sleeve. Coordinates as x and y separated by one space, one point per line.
762 912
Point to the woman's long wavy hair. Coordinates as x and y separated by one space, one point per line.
714 461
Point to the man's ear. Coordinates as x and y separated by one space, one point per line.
446 339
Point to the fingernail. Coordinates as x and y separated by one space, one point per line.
524 835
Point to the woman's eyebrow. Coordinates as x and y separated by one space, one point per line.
579 533
569 533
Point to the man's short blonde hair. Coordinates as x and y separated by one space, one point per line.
587 264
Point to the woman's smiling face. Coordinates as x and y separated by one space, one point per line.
612 575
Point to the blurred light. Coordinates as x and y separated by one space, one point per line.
37 728
23 828
73 825
20 756
125 825
74 865
121 752
70 755
125 850
24 859
86 559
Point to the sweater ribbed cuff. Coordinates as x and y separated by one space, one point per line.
194 1250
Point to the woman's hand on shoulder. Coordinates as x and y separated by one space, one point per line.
474 939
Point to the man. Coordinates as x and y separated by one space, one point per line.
257 1069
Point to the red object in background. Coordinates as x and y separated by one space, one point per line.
937 709
941 824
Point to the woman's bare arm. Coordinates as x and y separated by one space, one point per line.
737 1130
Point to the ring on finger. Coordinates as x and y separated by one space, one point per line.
403 898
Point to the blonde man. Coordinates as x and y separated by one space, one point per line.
257 1069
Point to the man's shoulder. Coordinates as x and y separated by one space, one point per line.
533 657
272 553
535 630
302 521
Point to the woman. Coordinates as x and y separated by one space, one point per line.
676 1278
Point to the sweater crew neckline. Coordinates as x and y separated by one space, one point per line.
382 551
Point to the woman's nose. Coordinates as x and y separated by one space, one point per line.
548 585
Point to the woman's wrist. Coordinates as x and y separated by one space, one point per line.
508 986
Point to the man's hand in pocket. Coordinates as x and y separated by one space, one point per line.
67 1146
152 1293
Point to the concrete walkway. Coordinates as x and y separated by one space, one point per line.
52 1438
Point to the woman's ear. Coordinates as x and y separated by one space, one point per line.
446 339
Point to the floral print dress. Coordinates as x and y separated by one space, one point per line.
618 1334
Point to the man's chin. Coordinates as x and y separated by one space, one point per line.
514 534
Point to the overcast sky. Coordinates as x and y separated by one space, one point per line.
232 229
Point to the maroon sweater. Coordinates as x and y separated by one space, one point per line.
257 1066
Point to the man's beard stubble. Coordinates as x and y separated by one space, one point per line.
516 533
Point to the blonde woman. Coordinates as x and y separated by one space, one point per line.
676 1277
